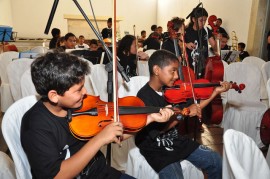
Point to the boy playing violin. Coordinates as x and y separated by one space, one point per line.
52 151
160 143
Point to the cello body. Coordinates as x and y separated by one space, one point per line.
214 71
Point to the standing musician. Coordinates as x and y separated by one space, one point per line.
51 149
197 37
127 52
160 143
177 25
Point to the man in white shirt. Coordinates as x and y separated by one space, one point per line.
81 44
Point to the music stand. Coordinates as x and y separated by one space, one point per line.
5 35
229 56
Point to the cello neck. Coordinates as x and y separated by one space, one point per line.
177 53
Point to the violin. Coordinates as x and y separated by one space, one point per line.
95 114
203 89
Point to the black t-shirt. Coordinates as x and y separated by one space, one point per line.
106 33
197 37
128 63
169 45
243 55
159 149
47 141
53 42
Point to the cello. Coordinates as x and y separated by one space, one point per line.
214 71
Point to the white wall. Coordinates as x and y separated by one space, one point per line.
5 13
235 14
30 16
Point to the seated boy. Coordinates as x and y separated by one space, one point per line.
160 143
52 151
243 54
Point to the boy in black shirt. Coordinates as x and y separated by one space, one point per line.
52 151
160 143
241 48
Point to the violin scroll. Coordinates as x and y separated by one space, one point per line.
211 21
239 87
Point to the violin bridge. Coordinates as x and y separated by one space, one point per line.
106 110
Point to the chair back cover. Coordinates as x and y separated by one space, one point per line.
244 111
5 92
242 159
11 127
15 70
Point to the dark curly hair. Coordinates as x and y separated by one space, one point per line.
57 71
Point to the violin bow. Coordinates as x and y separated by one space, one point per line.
188 68
115 74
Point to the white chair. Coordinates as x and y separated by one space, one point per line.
138 167
244 111
255 61
242 159
27 85
88 85
11 125
7 167
119 155
39 49
142 68
6 97
129 158
150 52
266 71
99 78
268 88
15 70
259 63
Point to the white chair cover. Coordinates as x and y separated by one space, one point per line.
242 159
88 84
268 152
259 63
225 64
244 111
5 92
268 88
255 61
266 71
99 78
119 155
138 167
15 70
39 49
7 167
27 85
150 52
11 125
142 68
268 157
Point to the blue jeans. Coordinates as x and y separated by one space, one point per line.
172 171
203 157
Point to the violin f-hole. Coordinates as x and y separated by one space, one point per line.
103 121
